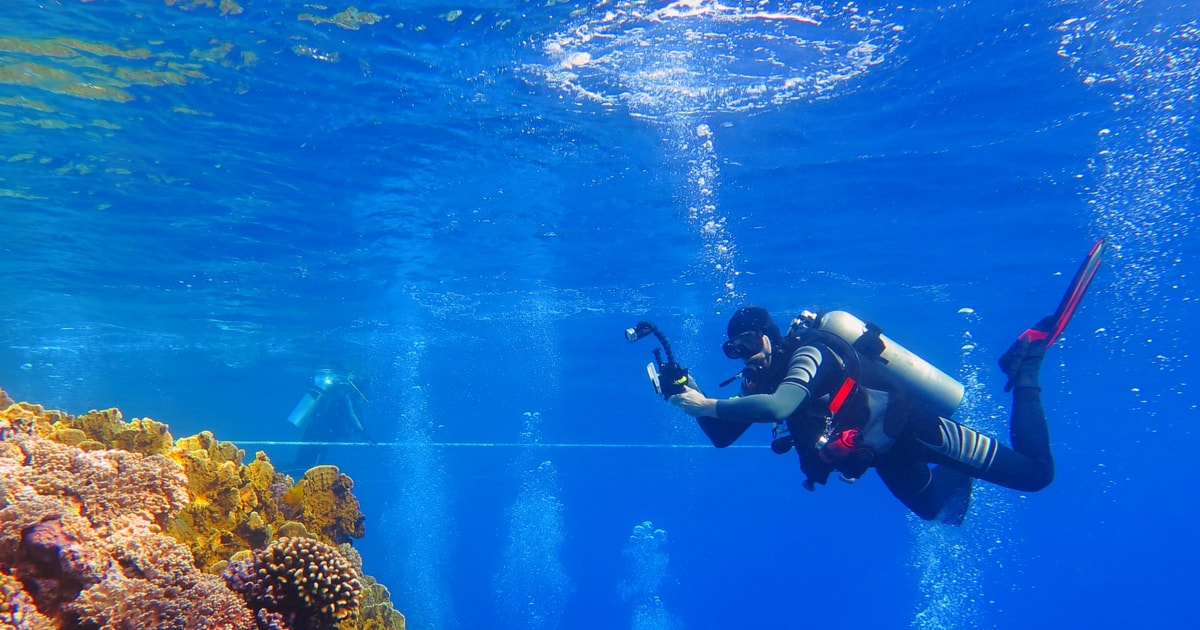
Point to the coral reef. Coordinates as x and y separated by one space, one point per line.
81 536
121 519
233 507
305 583
17 609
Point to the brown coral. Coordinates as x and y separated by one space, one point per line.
80 533
16 606
305 583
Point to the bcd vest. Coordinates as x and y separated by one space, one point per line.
848 422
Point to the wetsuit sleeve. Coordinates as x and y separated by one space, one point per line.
721 433
802 372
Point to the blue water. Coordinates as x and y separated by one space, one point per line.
465 205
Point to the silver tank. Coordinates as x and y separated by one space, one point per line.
903 368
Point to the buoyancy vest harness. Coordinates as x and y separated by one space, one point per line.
852 419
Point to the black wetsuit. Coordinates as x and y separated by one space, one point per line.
336 416
799 390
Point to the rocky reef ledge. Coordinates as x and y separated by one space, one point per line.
108 524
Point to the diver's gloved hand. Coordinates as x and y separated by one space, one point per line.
672 379
1021 363
694 403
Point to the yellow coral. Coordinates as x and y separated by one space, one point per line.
70 437
328 506
28 419
217 523
294 529
259 473
101 426
144 435
376 612
98 430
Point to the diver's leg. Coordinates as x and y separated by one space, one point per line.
984 457
912 483
1022 363
955 488
314 446
942 492
1030 435
1028 465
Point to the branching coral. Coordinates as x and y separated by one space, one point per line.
301 582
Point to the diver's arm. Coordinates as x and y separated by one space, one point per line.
720 432
703 408
744 409
803 370
763 407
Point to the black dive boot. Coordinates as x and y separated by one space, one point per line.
1023 360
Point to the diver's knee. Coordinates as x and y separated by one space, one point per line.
926 515
1045 479
1039 479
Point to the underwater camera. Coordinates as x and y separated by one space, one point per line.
667 377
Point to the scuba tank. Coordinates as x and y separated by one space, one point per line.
885 359
322 382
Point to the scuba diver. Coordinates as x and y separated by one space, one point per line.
847 398
327 412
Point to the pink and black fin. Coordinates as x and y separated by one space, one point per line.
1046 331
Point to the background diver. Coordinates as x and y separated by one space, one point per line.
330 410
847 398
